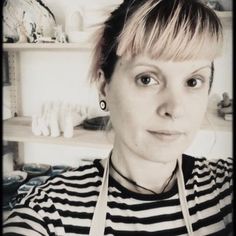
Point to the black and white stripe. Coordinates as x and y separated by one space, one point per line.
64 205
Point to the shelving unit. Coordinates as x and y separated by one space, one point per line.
18 129
12 47
225 16
215 123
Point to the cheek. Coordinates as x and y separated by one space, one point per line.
197 110
119 107
126 110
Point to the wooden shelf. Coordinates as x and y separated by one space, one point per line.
224 14
225 17
45 46
216 123
18 129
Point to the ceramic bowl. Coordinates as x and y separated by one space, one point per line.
9 201
36 181
58 169
13 180
35 169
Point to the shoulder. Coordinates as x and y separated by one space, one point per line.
85 170
74 183
218 172
216 166
50 203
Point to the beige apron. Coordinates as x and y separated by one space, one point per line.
99 217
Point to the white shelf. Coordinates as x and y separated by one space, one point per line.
224 14
226 18
46 46
215 123
18 129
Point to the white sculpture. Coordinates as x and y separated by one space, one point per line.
53 123
43 126
68 125
35 126
57 118
59 34
25 14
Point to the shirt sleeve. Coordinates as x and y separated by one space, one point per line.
223 172
24 221
35 215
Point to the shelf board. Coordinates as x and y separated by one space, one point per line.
18 129
224 14
215 123
225 17
46 46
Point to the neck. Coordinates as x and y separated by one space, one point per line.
152 175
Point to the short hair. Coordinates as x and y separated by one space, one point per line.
165 29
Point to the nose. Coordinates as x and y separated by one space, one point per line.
172 106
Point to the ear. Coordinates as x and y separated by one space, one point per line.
102 84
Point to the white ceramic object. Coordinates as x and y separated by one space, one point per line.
68 125
78 36
74 19
25 13
54 126
74 24
35 126
43 126
61 118
59 34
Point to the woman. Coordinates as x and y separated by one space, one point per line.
153 64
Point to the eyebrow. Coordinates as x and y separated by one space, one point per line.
147 65
160 71
203 67
156 67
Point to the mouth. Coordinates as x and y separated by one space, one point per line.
166 135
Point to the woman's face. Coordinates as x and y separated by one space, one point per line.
157 106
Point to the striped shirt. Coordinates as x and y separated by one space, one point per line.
64 204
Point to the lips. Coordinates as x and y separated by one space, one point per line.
167 135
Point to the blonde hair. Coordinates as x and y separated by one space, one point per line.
166 29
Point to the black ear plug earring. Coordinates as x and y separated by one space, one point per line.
103 105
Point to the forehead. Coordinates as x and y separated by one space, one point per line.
144 62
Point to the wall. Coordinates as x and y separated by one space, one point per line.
224 65
63 76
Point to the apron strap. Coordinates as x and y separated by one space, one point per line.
99 217
182 197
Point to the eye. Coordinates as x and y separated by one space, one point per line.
146 80
195 82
